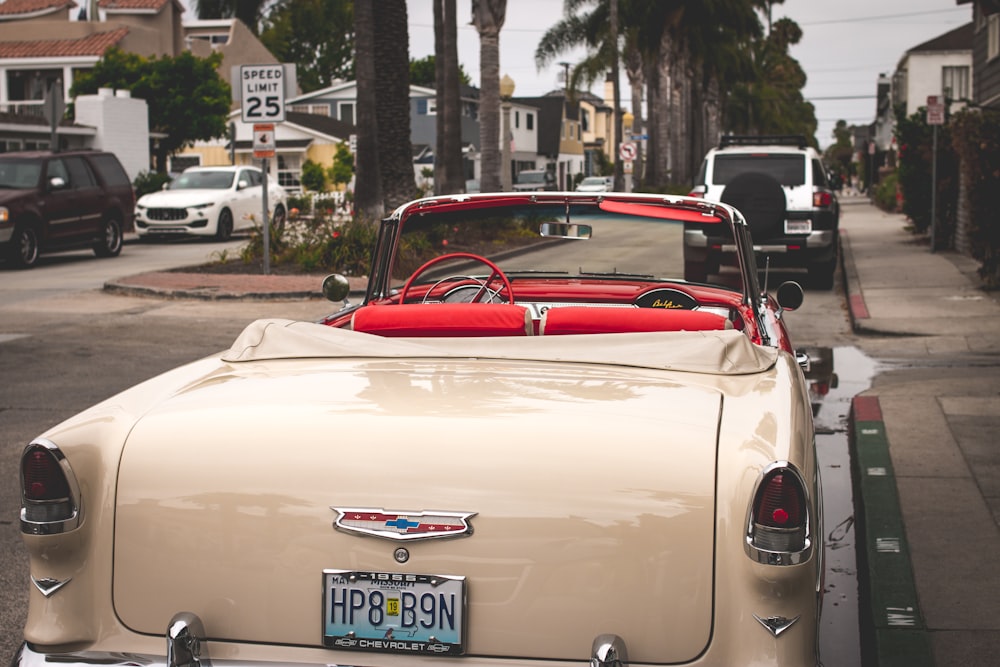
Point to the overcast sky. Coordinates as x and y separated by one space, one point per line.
846 44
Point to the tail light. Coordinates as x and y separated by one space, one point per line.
778 522
822 199
50 498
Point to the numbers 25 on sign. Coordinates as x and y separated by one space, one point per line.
263 88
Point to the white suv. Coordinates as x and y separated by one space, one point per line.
781 187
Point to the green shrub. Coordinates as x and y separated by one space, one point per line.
886 191
976 140
149 181
916 158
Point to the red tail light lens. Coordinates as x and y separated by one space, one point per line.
50 498
778 526
781 504
822 199
42 477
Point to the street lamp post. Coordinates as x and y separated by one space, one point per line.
506 92
627 120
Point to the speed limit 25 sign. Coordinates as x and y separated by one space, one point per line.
263 93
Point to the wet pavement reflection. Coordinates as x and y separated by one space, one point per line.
835 377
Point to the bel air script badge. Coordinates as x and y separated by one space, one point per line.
402 525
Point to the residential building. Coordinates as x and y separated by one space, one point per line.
44 44
301 137
560 138
941 66
985 52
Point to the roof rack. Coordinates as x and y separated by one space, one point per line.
796 140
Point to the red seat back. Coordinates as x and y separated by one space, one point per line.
443 320
592 320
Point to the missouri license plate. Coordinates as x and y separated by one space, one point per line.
395 612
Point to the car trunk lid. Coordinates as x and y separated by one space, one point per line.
589 491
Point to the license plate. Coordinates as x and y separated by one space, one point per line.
395 612
798 226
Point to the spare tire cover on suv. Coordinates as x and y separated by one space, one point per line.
760 198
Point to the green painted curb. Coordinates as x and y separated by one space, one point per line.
893 631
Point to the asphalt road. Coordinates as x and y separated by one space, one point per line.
65 344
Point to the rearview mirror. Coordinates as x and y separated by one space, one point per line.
562 230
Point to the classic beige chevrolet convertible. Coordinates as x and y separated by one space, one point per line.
530 441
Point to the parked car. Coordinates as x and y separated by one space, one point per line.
531 441
781 186
62 201
211 201
535 180
596 184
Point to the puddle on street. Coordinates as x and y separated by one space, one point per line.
836 376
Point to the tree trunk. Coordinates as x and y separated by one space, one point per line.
488 17
633 70
660 124
617 95
392 103
449 177
367 180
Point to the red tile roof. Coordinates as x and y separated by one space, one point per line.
15 7
92 45
131 4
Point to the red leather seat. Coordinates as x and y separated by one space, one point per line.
592 320
443 320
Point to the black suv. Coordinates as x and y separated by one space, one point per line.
61 201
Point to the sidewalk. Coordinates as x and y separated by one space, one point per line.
926 458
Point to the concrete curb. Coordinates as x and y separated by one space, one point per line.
893 633
208 294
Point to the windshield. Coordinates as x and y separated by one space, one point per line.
593 180
203 180
610 241
19 173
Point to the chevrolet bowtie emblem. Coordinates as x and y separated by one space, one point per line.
402 525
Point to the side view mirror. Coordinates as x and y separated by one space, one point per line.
336 287
790 295
57 183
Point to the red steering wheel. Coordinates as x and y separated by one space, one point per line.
484 285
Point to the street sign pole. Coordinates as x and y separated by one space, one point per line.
262 100
934 189
935 117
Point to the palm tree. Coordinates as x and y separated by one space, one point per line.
488 17
367 180
392 103
592 31
449 176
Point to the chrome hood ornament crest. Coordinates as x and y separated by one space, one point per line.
402 525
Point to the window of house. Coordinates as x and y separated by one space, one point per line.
345 112
529 121
517 119
316 109
955 82
290 171
179 163
10 145
427 106
992 36
584 120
